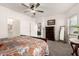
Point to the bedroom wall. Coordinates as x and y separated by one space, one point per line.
60 21
71 12
5 13
28 27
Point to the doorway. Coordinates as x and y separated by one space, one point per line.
50 33
13 27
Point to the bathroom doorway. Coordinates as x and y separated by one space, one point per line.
13 27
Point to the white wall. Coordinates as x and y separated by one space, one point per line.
60 21
26 21
71 12
28 27
5 13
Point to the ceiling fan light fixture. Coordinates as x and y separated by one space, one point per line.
32 11
32 8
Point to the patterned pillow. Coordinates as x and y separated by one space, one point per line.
3 46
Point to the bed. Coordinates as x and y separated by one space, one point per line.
23 46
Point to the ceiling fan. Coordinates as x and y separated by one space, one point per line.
32 7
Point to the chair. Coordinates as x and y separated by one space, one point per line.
74 42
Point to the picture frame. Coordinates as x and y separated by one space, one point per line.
39 29
51 22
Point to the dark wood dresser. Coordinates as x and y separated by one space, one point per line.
50 33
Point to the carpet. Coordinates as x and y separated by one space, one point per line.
57 48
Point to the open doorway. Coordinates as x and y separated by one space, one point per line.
13 27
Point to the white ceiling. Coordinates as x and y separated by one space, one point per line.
49 8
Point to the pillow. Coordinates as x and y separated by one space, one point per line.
3 46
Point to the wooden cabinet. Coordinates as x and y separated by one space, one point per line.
50 33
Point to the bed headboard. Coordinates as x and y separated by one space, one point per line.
45 39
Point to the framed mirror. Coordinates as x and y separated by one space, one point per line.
61 33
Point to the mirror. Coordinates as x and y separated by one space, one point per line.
39 29
61 33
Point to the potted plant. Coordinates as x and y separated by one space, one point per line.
76 32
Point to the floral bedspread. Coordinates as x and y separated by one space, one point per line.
24 46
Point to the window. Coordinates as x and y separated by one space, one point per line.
73 22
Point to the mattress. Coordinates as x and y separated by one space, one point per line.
24 46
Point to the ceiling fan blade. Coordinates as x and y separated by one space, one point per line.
39 11
37 5
32 5
24 5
